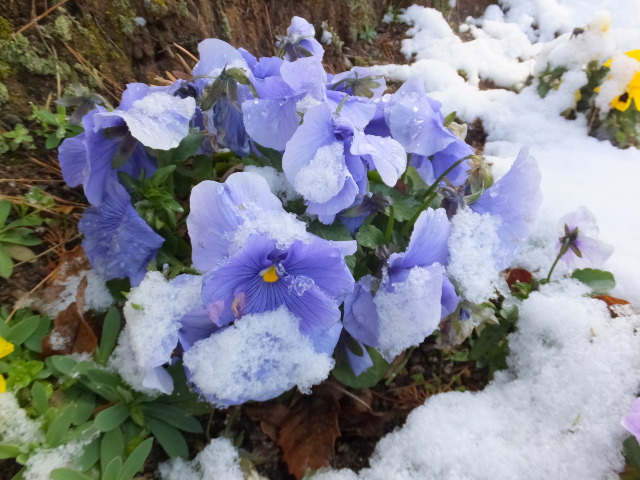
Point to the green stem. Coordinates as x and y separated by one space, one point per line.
389 229
429 196
563 250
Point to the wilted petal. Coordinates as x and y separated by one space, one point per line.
117 240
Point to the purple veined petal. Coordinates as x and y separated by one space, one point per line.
72 156
117 240
321 262
515 199
428 243
449 298
215 214
415 123
158 378
358 363
133 92
386 154
158 120
361 318
305 75
271 122
215 55
319 318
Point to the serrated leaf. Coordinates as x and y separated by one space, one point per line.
135 461
67 474
169 438
370 236
173 416
599 280
60 426
111 417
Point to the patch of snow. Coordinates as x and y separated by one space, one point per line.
16 428
218 460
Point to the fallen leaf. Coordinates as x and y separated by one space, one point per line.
615 304
270 415
516 275
308 434
71 333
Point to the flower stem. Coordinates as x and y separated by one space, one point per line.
563 249
389 230
429 196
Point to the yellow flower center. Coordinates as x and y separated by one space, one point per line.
5 347
3 384
269 275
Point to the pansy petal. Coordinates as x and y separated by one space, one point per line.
387 155
321 262
343 199
360 314
158 120
158 378
305 75
271 122
72 156
215 55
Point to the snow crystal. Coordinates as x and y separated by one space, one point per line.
97 296
555 414
622 70
417 301
218 460
474 249
43 461
278 183
152 312
15 427
258 355
324 176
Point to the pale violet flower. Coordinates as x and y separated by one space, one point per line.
579 240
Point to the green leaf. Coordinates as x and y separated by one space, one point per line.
34 342
169 438
113 469
370 237
135 461
111 446
23 330
599 281
5 209
103 378
173 416
335 232
85 404
61 363
187 148
632 452
52 141
60 426
9 451
20 252
111 417
367 379
68 474
110 331
6 264
39 397
89 457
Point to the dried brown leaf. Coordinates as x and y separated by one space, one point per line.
309 432
516 275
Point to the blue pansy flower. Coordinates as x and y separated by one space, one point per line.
118 242
115 141
414 283
300 41
327 158
258 259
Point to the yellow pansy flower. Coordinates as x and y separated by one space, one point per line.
5 349
632 92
